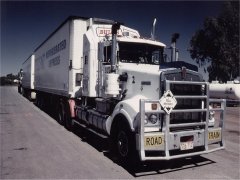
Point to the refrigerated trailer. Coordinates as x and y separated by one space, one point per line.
26 84
105 77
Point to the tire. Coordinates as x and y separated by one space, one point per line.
61 114
29 95
68 118
41 102
24 92
124 144
19 89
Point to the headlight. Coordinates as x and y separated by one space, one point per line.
146 119
211 120
153 118
211 113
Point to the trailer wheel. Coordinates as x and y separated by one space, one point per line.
23 92
61 114
29 95
40 101
20 89
68 118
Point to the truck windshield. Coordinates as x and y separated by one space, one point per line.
140 53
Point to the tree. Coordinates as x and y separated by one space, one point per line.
218 42
8 79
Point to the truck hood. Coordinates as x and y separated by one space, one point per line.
143 79
141 68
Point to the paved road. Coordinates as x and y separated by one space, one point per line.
34 145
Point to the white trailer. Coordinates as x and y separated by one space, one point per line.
58 60
27 80
103 76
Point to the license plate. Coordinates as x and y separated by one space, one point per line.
153 141
214 135
186 145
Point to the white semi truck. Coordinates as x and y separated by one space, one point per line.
105 77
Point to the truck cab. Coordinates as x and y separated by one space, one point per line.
162 113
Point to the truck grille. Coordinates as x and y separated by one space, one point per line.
179 89
186 103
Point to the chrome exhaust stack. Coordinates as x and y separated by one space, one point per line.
115 28
153 29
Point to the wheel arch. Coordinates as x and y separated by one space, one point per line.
119 119
128 109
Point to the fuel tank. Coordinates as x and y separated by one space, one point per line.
229 90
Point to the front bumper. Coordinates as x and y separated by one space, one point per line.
167 144
154 144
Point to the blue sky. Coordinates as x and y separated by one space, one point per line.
25 24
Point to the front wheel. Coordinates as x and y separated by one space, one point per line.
125 144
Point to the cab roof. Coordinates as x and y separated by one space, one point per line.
140 40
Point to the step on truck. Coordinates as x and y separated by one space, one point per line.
104 76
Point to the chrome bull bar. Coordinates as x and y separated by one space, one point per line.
166 134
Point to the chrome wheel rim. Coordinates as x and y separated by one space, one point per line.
122 144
